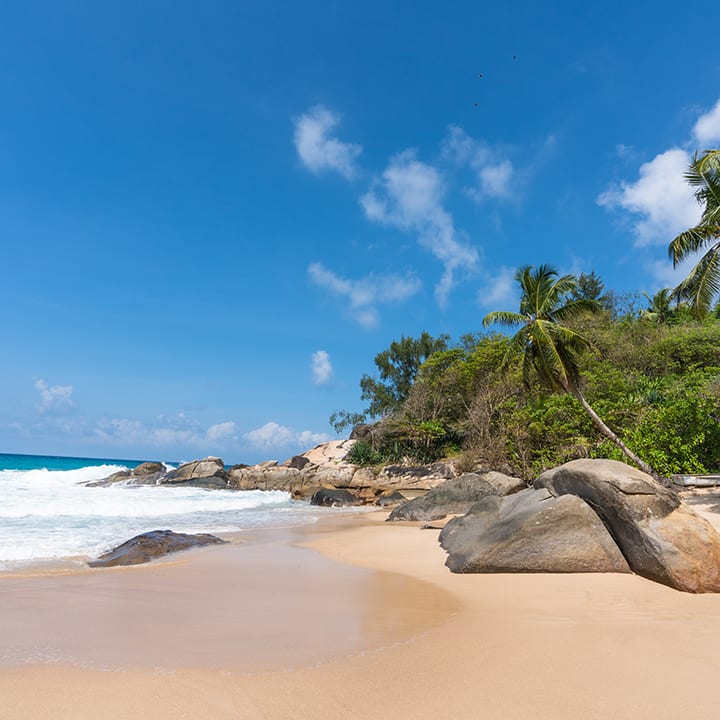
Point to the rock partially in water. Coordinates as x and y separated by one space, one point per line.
208 467
152 545
334 498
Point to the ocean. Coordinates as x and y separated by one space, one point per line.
48 515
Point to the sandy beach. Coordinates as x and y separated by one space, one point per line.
351 618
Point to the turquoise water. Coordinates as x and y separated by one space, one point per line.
57 462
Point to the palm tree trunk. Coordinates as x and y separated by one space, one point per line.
605 430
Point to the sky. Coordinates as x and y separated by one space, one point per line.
214 215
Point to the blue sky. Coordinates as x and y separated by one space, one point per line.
214 215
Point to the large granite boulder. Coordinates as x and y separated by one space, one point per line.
531 531
661 538
152 545
208 467
456 496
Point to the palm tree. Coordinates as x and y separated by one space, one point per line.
548 348
703 282
660 308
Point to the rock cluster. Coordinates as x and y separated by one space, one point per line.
588 516
322 468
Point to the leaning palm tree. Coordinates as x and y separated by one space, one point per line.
548 348
703 282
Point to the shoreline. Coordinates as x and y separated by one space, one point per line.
497 646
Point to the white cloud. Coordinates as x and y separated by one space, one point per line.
316 147
494 172
660 196
707 128
164 432
274 435
500 292
321 367
221 432
366 293
53 398
409 196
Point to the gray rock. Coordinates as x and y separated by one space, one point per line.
661 538
333 498
531 531
215 482
298 462
209 467
456 496
390 499
152 545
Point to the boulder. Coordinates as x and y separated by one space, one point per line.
215 482
152 545
120 476
209 467
298 462
456 496
148 468
531 531
390 499
333 498
661 538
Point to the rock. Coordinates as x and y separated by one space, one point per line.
392 498
209 467
152 545
120 476
456 496
417 477
530 531
208 483
333 498
298 462
148 468
661 538
361 431
329 452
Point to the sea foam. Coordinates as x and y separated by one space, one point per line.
48 515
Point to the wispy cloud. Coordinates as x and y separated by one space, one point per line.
164 432
53 398
318 149
493 171
409 195
274 435
365 294
500 291
321 367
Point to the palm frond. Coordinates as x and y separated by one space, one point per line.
691 241
573 308
501 317
702 283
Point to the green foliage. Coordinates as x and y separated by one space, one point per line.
702 284
397 367
341 420
363 453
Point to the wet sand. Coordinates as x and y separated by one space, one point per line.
416 641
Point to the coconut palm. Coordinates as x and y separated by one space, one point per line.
703 282
549 349
660 306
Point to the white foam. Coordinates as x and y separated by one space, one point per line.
47 515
